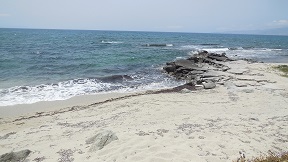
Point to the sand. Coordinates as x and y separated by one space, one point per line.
248 114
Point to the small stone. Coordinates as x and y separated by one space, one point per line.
201 137
248 90
100 140
199 87
185 90
15 156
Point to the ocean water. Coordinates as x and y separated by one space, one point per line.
47 65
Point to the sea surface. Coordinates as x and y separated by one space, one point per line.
47 65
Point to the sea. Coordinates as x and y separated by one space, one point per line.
48 65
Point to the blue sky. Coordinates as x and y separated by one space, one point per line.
145 15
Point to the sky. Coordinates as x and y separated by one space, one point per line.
201 16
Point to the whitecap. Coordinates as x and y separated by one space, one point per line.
110 42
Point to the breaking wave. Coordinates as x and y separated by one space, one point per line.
110 42
76 87
158 45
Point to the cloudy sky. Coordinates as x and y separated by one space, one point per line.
145 15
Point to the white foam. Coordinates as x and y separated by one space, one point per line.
62 91
67 89
216 49
110 42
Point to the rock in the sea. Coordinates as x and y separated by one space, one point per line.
170 68
15 156
100 140
209 85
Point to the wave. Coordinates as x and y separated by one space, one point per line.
110 42
115 78
158 45
252 49
211 50
217 48
209 44
76 87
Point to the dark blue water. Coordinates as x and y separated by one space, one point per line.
40 65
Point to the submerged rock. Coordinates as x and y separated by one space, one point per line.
15 156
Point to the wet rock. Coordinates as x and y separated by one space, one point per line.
100 140
219 58
170 68
15 156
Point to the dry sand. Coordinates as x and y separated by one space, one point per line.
249 113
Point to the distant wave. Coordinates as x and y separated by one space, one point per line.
158 45
216 49
110 42
209 44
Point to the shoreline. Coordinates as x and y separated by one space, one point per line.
246 114
48 106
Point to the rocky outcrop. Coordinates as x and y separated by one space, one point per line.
100 140
15 156
201 69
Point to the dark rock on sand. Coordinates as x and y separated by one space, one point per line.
15 156
203 67
100 140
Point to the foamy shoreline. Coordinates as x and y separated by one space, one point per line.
248 114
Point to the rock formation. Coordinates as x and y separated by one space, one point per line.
202 68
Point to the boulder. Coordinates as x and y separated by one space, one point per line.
199 87
187 64
100 140
15 156
209 85
170 68
218 58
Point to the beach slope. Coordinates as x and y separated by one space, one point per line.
247 114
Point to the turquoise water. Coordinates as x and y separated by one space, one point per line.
39 65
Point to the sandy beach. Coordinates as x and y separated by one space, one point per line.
248 113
